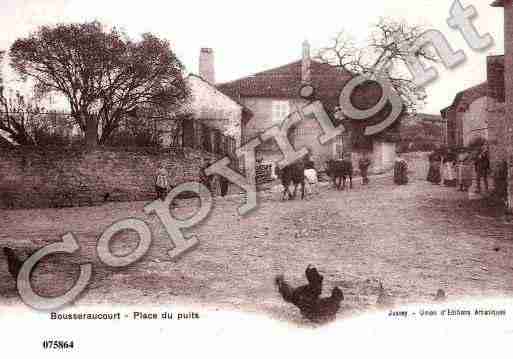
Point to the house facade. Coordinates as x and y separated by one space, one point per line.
467 117
210 113
489 105
504 121
274 94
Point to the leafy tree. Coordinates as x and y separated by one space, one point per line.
104 75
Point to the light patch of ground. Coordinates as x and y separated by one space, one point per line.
415 239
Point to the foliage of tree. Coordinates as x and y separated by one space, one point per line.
103 74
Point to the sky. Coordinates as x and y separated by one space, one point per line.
251 36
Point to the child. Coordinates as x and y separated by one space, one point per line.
311 180
161 183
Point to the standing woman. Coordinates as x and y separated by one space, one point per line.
482 168
434 175
449 178
400 171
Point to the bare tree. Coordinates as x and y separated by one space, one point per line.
103 74
387 51
18 118
28 123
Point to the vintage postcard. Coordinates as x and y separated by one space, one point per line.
250 179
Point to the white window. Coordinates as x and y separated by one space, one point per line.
338 146
280 110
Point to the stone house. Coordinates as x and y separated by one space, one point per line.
466 117
208 107
505 124
273 94
491 102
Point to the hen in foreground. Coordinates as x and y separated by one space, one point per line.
306 297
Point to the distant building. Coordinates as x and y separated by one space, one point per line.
209 117
466 118
421 132
485 109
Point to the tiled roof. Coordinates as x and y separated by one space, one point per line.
244 108
327 81
285 82
464 98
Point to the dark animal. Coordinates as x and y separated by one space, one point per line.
305 295
326 309
340 170
295 174
13 262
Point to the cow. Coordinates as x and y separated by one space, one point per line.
293 173
340 169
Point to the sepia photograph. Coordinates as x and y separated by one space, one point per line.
246 179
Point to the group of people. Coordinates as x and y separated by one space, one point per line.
212 182
457 170
163 186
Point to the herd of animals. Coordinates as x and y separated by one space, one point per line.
306 298
339 171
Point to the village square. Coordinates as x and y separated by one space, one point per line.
310 191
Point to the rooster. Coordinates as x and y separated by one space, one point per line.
304 296
13 262
325 309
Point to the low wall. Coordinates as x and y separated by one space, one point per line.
31 178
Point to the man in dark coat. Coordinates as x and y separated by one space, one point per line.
400 171
482 166
364 164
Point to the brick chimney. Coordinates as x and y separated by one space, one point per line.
306 62
206 65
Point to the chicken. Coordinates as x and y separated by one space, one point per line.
303 296
13 262
325 309
306 297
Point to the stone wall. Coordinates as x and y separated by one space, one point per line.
55 178
474 121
